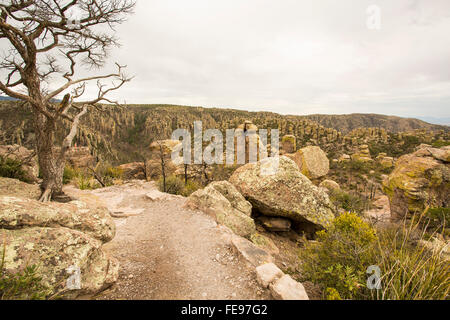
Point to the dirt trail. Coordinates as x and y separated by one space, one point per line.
168 252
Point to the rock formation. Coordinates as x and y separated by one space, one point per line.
286 193
227 205
311 161
419 180
57 238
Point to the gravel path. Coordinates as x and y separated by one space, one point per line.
168 252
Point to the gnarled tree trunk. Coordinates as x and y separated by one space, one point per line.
51 164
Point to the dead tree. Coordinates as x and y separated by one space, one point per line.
48 40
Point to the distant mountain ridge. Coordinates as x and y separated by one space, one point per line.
348 122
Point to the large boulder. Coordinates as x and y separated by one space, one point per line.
222 201
419 180
26 158
285 193
58 238
312 162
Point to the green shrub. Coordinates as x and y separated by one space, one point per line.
24 285
340 257
348 201
69 174
174 185
190 188
441 143
10 168
338 262
409 271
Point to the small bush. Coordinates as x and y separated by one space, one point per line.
348 201
69 174
190 188
10 168
340 258
174 185
441 143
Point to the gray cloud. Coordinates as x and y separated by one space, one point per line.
290 56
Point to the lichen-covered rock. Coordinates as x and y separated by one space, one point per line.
56 237
286 193
236 199
19 213
26 157
16 188
418 180
330 185
54 251
312 162
223 201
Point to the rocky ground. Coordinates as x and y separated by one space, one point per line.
168 252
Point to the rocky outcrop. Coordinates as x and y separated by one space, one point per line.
133 171
419 180
385 161
26 158
288 144
330 185
80 157
285 193
312 162
362 154
59 239
227 205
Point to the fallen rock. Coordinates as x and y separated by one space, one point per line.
264 243
275 224
253 254
286 193
268 273
287 288
312 162
229 208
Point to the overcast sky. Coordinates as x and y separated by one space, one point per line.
290 56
